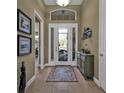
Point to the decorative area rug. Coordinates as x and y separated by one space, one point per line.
62 74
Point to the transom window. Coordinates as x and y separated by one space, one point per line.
63 14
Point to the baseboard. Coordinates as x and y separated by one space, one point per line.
96 81
53 64
29 82
45 65
42 67
49 65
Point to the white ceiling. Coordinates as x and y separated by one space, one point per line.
53 2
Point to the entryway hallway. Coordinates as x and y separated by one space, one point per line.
40 85
49 35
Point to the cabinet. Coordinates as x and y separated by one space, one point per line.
85 63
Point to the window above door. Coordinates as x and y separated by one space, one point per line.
63 14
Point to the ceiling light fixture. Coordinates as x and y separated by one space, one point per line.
63 3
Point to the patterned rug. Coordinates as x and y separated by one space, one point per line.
62 74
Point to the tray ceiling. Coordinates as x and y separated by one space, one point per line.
53 2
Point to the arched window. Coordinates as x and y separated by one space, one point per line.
63 14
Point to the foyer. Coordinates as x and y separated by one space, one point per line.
82 86
51 35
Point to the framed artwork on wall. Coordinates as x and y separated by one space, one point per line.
87 33
23 22
24 45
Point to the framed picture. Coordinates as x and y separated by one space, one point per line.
23 22
24 45
87 33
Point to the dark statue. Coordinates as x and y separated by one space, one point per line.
22 79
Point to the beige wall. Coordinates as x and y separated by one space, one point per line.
28 6
90 18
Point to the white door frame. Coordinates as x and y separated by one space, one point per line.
64 25
102 29
36 14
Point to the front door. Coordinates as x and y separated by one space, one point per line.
63 44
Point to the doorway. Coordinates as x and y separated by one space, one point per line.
38 48
62 44
37 45
102 44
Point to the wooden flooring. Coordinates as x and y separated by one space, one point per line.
82 86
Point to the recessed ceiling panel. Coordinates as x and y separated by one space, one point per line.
72 2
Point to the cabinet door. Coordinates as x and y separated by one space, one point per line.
89 65
82 66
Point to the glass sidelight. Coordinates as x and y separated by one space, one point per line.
62 44
52 44
73 44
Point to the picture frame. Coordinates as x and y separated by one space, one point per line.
23 22
24 45
87 33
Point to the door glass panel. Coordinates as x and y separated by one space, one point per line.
73 44
52 44
63 44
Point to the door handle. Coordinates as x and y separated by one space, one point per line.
56 48
101 54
